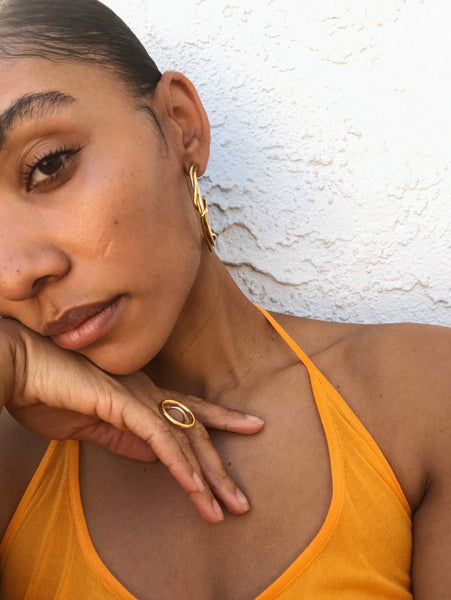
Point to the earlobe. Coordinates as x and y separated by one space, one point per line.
186 119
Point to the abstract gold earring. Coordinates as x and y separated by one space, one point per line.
202 209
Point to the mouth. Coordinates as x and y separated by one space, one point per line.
83 325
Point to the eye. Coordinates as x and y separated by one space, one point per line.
47 169
48 166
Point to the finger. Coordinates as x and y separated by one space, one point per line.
214 472
122 443
66 424
218 417
143 422
204 500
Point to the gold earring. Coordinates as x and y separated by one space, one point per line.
202 208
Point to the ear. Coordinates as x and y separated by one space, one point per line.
184 120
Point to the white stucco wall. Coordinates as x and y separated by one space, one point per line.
329 180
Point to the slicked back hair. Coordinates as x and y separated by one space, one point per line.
77 30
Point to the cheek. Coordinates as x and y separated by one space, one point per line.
103 207
133 192
136 221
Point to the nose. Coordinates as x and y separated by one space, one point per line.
24 272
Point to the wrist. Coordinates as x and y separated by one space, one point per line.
12 360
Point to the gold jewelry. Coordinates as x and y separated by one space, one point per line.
202 208
189 420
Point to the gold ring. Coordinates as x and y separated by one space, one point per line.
189 420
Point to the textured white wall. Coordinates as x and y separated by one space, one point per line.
329 180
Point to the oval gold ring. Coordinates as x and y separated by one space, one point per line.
189 420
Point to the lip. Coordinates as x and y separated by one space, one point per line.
83 325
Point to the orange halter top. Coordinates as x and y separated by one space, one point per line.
362 551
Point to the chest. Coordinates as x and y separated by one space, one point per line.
149 535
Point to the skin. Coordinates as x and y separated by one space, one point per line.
49 271
122 223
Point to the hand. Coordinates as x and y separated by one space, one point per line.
61 395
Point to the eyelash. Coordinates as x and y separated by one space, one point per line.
67 151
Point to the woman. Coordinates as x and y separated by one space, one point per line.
103 258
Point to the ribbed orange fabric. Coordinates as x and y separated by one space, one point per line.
362 551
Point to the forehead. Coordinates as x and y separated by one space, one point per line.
90 84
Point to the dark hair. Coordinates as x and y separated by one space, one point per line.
76 30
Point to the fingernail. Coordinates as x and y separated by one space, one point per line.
217 509
242 499
199 483
253 419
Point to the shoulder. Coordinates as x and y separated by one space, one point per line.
402 341
408 360
397 379
406 363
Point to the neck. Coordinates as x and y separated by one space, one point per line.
218 342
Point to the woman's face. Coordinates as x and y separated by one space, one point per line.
99 242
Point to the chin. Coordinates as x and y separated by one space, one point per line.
117 361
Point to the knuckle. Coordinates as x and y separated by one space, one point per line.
175 461
183 441
154 437
201 433
194 399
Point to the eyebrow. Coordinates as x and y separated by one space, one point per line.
31 106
